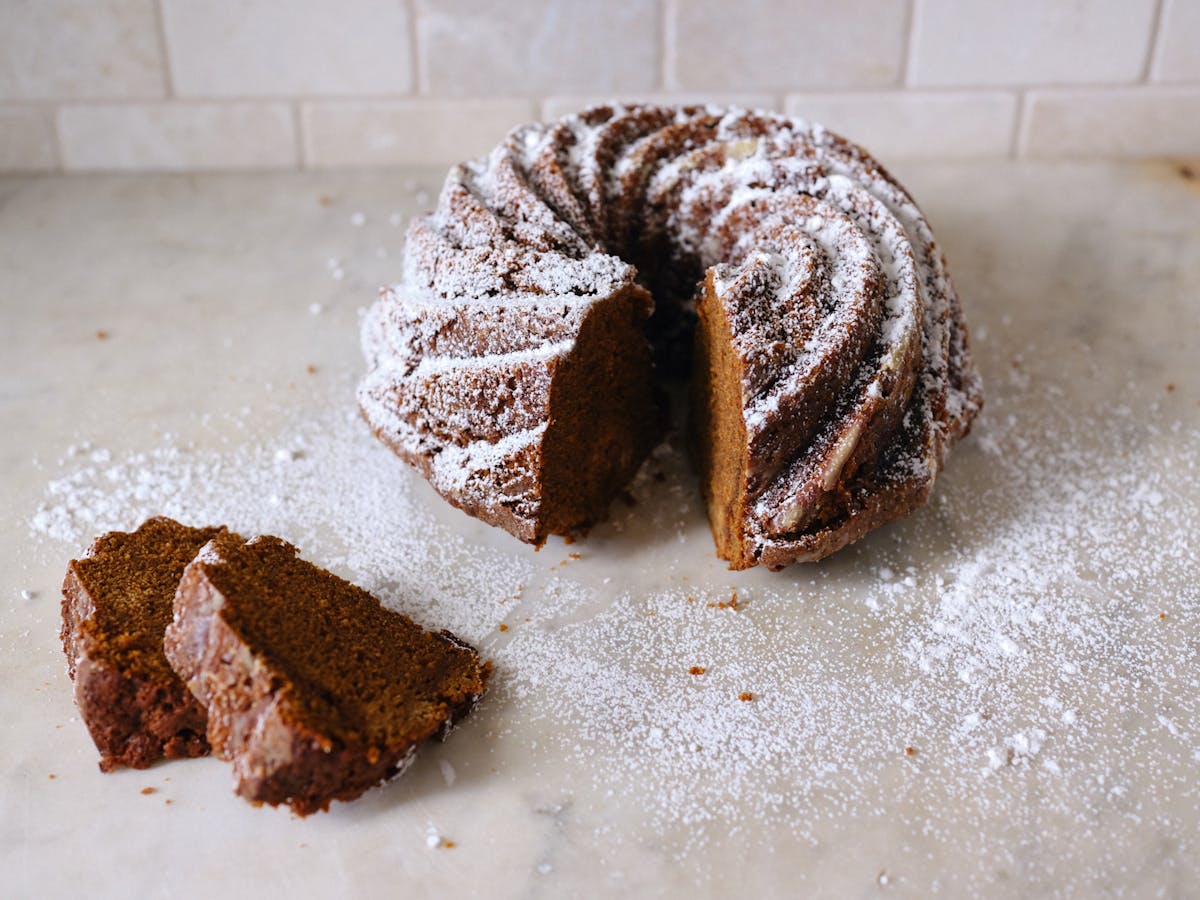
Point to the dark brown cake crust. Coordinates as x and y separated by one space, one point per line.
323 703
836 366
601 411
116 603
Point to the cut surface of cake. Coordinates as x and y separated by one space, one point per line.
830 370
117 602
314 690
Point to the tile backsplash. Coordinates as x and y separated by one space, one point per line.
248 84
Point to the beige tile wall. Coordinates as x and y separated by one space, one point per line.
218 84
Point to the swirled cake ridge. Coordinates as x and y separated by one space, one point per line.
830 369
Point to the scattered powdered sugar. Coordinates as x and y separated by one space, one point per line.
328 487
1029 634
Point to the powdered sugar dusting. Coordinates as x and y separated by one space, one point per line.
823 264
337 494
1011 641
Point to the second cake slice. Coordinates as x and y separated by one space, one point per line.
315 691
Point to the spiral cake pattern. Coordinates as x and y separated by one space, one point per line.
830 370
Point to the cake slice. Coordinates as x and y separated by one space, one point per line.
117 601
314 690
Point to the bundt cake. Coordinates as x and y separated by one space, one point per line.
830 371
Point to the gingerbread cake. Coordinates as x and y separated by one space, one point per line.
314 690
117 602
830 371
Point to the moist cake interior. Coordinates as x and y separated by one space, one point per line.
603 416
351 669
132 579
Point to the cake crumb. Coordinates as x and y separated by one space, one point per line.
310 369
147 791
52 776
102 334
733 603
1170 387
503 627
697 670
910 751
746 696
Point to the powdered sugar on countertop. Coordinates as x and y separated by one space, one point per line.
326 487
1008 633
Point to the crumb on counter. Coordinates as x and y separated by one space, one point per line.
733 603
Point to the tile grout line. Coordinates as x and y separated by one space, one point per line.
906 53
301 139
266 99
1155 44
1105 88
1020 139
168 76
667 45
57 144
416 88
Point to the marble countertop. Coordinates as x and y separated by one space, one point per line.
998 696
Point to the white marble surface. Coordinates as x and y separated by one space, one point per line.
1056 757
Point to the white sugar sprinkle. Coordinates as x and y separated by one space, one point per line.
1005 636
